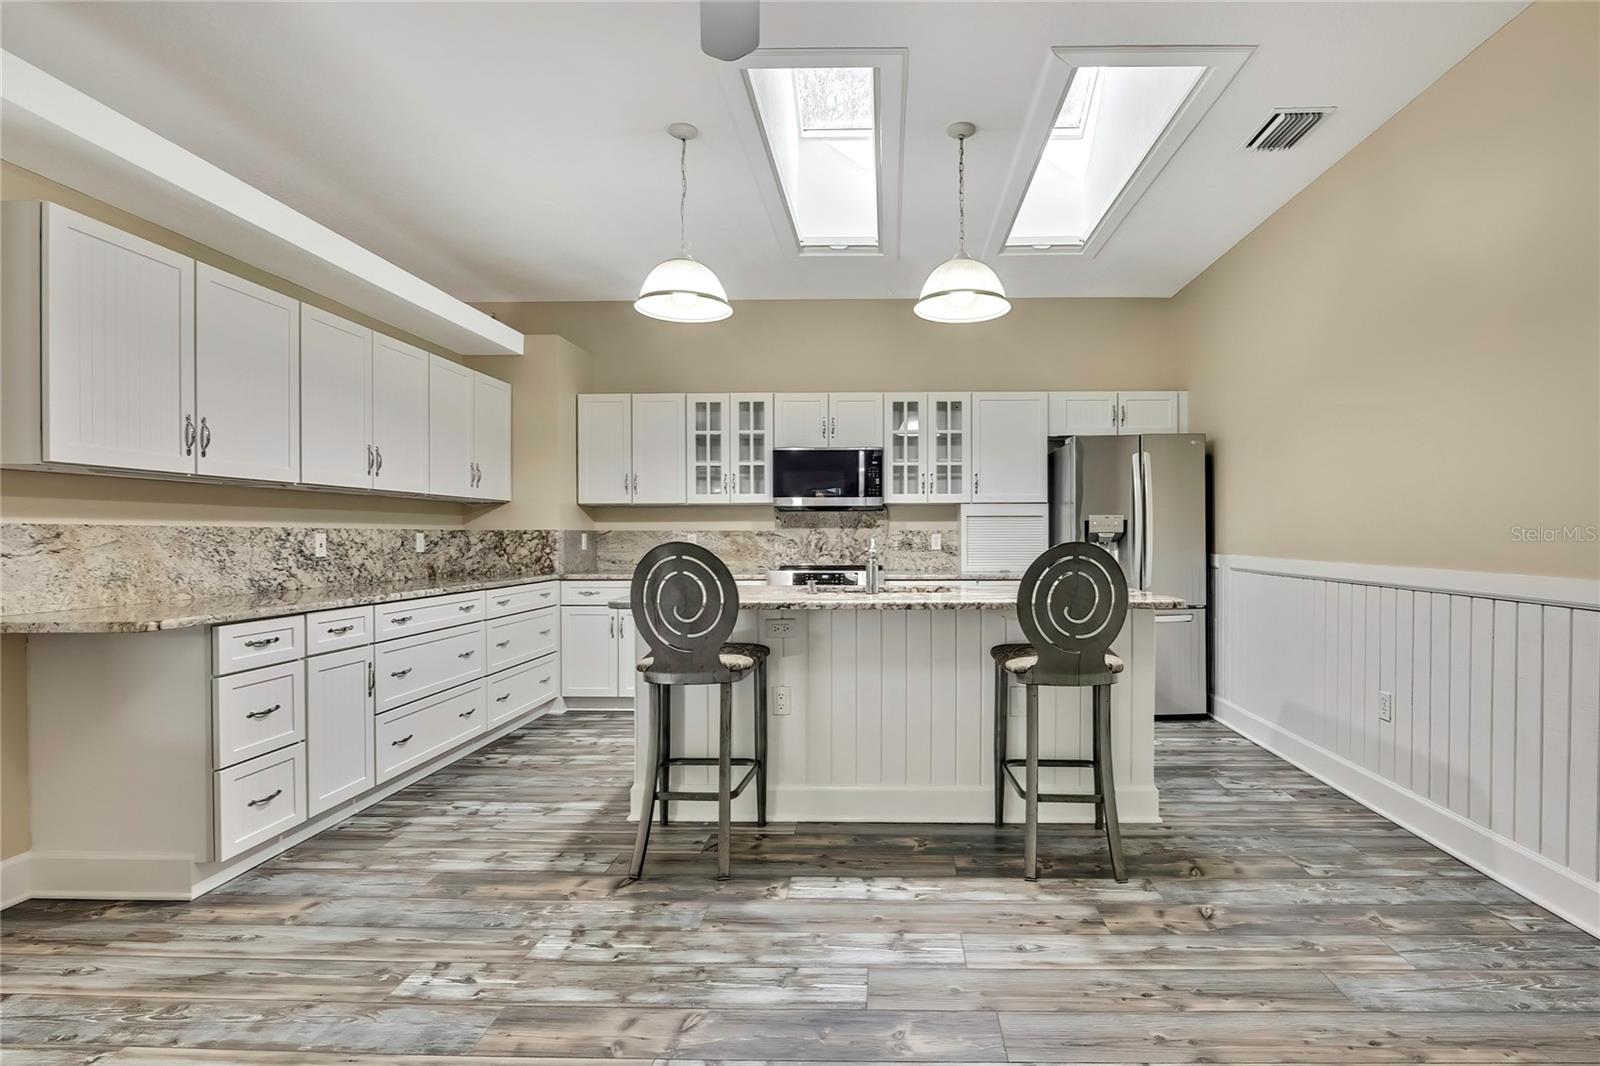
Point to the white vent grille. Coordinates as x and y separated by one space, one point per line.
1286 128
1002 538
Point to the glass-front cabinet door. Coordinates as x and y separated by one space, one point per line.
751 477
710 476
948 447
905 477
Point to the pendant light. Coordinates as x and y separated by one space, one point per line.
682 290
962 289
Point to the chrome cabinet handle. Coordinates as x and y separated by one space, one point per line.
545 680
624 483
262 643
1124 414
502 699
468 714
188 434
466 606
501 603
369 458
466 654
337 630
824 427
402 619
588 592
544 632
205 438
833 428
264 800
974 481
372 678
613 626
377 452
502 644
403 740
400 673
262 714
636 484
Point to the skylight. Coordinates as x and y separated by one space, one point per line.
820 127
1109 120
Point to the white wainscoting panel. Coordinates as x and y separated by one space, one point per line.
1493 750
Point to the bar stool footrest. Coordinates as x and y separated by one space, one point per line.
1053 797
709 796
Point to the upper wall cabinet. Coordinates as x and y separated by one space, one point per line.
730 448
469 433
247 379
658 448
491 437
400 437
1108 413
631 448
828 420
1010 438
98 345
927 447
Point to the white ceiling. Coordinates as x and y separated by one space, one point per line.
517 151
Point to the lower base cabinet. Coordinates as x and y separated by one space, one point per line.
588 651
415 733
522 688
339 727
260 798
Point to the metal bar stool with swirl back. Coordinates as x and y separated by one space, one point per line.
685 604
1072 603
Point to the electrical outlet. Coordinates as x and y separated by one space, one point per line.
422 542
319 545
1385 706
583 542
779 628
936 542
780 702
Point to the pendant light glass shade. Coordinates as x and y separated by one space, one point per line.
962 289
682 290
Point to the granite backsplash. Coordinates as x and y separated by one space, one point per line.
822 537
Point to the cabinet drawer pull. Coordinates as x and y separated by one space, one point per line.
402 619
502 644
466 654
401 673
544 680
262 714
588 592
338 630
261 643
502 699
402 740
468 714
466 606
501 603
264 800
544 632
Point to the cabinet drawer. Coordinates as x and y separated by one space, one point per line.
258 711
521 598
522 637
419 666
421 616
347 627
523 688
412 735
260 799
592 593
247 645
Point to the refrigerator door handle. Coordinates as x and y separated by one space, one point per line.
1147 535
1136 535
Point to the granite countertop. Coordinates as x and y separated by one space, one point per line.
627 575
779 598
152 617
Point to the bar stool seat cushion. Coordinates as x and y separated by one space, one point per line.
1020 658
736 657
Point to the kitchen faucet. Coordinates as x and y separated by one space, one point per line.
874 571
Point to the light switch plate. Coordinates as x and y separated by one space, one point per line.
319 545
422 542
936 542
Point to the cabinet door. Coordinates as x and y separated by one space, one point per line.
399 416
605 449
658 448
335 401
491 437
449 428
948 445
588 651
1147 412
710 477
905 474
1083 414
247 379
800 420
628 655
1010 441
118 372
751 446
855 420
339 733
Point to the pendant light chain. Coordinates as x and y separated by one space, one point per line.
961 194
683 198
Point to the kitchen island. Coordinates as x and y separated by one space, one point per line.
881 709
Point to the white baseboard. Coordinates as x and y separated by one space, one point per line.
1527 872
16 879
910 804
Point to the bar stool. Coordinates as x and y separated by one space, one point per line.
685 604
1072 603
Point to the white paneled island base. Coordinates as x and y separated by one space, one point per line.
887 715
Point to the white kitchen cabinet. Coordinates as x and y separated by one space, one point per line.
1010 438
588 651
401 433
710 477
339 728
926 447
491 438
752 446
98 345
1148 412
605 449
449 428
800 420
729 443
247 379
658 448
628 654
1106 413
905 472
335 401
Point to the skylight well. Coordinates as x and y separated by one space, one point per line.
820 125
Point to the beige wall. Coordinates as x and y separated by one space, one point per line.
1403 363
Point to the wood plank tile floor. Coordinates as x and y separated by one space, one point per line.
476 918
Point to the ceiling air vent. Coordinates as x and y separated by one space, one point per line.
1286 127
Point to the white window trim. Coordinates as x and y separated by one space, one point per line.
890 90
1221 63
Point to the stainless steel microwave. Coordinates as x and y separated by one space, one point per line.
827 479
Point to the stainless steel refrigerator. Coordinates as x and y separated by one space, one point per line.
1143 498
